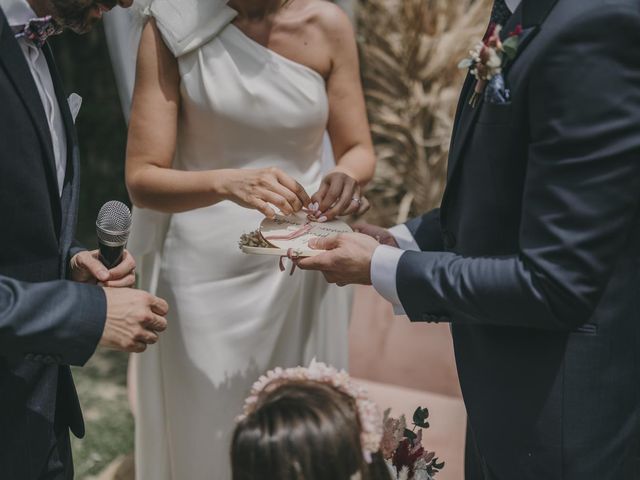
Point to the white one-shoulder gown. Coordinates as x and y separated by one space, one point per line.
233 316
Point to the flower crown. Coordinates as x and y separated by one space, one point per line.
368 412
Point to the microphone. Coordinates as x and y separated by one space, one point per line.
112 226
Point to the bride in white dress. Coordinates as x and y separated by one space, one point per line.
229 111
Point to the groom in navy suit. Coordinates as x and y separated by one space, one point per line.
534 254
52 313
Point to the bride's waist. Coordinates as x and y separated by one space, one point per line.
210 230
308 175
219 219
295 159
203 245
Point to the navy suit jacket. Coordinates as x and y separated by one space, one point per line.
534 255
46 322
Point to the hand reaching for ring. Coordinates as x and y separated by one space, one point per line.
339 195
259 189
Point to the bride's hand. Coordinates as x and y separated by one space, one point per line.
257 189
339 195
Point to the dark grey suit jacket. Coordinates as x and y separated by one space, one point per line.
534 255
46 322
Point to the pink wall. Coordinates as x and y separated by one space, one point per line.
392 350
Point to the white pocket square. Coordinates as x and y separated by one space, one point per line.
75 102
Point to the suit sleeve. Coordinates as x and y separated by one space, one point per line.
580 198
76 248
61 319
426 231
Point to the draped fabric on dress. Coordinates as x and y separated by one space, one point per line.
233 316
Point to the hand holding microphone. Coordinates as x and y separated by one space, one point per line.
134 318
86 267
113 226
111 265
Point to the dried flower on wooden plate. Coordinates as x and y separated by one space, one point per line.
253 239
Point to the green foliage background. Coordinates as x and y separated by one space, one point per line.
85 68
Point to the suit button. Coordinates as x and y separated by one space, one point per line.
28 356
449 239
38 357
48 359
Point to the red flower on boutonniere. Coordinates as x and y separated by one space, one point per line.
517 32
489 57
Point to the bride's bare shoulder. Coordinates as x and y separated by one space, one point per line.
327 17
325 11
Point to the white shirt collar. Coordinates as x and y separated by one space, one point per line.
18 12
513 4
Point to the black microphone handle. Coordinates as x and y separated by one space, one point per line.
111 256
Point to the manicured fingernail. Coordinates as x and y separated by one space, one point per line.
322 219
103 275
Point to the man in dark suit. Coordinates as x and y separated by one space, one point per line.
534 255
52 313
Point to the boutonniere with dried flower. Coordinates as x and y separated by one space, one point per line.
489 58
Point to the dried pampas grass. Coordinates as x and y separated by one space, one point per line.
410 50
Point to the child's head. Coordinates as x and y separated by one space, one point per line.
304 429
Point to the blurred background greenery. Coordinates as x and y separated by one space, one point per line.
85 68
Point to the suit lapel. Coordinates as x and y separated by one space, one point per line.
530 14
15 65
469 114
69 196
469 83
535 12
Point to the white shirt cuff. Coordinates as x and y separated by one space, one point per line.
384 266
404 238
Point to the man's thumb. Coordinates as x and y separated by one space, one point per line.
95 266
326 243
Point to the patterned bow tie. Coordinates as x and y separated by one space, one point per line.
38 30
